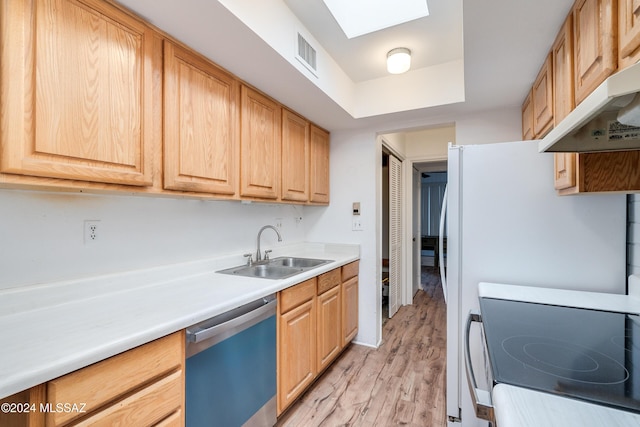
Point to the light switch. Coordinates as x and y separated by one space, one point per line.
356 225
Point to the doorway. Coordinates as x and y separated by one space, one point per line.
429 231
418 149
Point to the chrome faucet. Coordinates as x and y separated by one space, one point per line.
258 254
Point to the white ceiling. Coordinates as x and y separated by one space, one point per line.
433 39
503 43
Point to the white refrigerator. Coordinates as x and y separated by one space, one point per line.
505 224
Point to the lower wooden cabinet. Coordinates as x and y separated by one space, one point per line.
349 294
296 346
141 387
329 318
15 415
577 173
316 320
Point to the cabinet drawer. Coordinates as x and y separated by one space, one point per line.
294 296
141 408
105 381
328 280
174 420
350 270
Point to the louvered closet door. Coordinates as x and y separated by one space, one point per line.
395 233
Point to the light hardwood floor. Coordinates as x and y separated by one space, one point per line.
400 383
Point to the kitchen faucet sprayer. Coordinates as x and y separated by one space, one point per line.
258 254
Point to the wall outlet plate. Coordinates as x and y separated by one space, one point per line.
91 232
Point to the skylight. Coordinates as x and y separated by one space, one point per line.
359 17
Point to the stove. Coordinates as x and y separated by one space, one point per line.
592 355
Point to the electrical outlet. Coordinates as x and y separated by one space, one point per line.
356 225
278 222
91 231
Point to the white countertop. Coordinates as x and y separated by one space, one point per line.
520 407
570 298
52 329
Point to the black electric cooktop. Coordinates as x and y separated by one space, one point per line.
586 354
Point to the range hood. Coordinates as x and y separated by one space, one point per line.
607 120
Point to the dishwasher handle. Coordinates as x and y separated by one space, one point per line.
481 399
234 321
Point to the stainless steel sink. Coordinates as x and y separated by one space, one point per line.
277 268
305 263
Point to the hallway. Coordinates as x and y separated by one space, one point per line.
400 383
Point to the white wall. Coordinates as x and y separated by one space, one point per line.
502 125
355 177
42 233
430 143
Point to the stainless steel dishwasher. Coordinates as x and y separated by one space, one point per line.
231 368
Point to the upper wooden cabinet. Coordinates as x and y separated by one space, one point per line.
628 32
295 157
201 127
543 99
78 91
319 192
260 145
563 81
564 166
90 100
594 30
527 118
563 100
599 172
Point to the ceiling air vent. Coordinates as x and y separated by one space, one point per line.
306 55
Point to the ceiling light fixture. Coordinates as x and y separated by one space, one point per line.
398 60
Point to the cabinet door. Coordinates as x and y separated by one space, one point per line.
295 157
565 170
201 128
527 118
329 327
296 352
595 44
349 310
543 99
260 145
78 92
628 32
319 165
562 54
